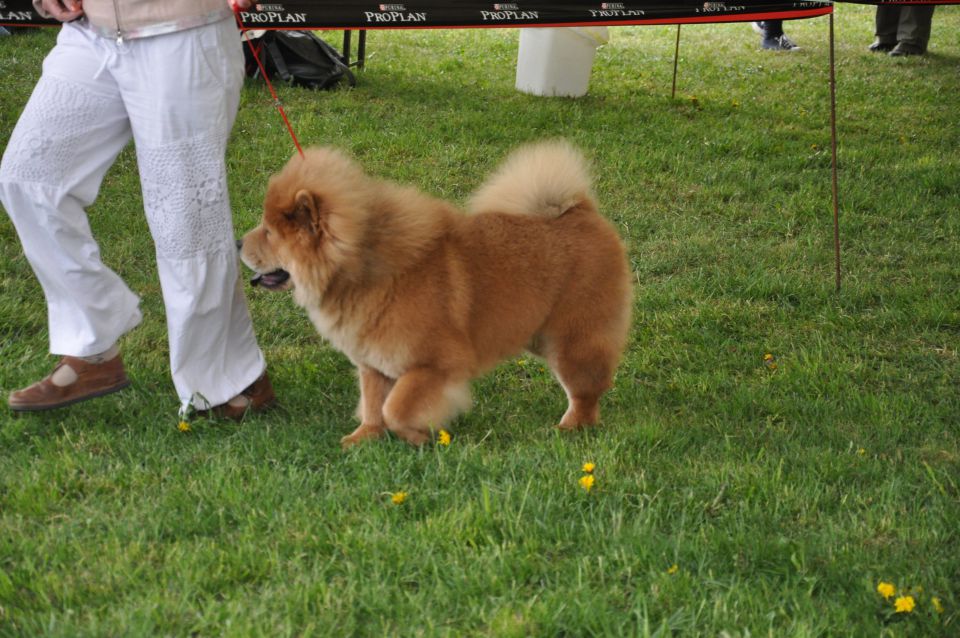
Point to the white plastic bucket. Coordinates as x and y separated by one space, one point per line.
557 61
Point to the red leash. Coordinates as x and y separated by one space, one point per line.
263 72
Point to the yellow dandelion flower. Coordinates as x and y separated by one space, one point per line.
673 569
443 438
886 589
398 498
861 451
904 604
586 482
183 426
589 467
937 605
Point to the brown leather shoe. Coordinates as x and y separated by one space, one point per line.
93 380
259 396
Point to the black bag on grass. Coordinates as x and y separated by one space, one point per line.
299 58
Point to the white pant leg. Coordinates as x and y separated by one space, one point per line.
68 135
181 92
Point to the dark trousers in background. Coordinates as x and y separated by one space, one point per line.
771 28
907 23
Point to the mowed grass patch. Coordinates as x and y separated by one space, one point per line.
733 494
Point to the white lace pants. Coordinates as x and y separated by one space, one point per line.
176 96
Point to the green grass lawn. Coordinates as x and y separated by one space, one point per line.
732 496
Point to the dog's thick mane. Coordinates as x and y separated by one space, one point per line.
408 225
378 227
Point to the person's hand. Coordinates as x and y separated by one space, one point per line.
240 4
63 10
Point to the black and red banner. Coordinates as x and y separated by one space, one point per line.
323 14
360 14
365 15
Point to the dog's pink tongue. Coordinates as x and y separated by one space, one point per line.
271 279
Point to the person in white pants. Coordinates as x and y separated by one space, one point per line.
170 83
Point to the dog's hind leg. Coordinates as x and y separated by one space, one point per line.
585 370
374 388
423 400
583 342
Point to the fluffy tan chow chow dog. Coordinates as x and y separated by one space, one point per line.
423 297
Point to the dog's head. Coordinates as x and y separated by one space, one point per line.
314 213
288 224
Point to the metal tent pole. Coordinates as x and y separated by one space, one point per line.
676 56
833 147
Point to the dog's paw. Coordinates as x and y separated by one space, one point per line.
580 415
573 424
363 433
412 436
573 427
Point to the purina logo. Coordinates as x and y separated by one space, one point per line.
395 13
714 7
272 14
615 10
508 12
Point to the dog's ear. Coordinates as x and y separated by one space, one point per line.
306 212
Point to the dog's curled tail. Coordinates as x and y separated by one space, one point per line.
543 179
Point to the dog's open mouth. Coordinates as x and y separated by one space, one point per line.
271 280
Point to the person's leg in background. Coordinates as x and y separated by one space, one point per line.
913 32
772 36
886 22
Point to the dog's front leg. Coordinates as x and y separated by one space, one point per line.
424 400
374 388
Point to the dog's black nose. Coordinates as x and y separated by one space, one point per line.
239 244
